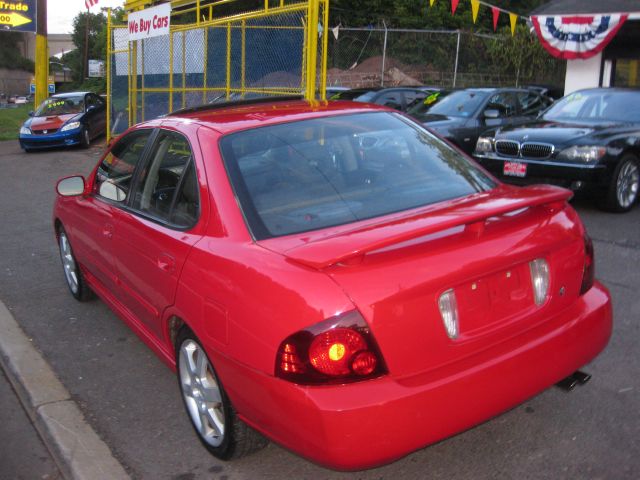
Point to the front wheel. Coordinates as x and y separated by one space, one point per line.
72 274
212 416
623 188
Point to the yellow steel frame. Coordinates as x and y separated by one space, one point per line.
313 83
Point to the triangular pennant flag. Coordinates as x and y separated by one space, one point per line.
454 5
431 2
475 6
513 18
336 31
496 14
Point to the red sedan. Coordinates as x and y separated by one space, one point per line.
332 276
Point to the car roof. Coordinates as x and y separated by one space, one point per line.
69 94
231 117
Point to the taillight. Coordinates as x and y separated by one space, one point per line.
338 350
589 271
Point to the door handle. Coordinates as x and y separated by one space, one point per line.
107 230
166 263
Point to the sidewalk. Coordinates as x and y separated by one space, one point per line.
23 455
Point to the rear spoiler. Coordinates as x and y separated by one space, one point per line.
469 212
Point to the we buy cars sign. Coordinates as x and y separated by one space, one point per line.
150 22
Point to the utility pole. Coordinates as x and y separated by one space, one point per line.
42 54
85 72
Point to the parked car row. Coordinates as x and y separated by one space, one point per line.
587 141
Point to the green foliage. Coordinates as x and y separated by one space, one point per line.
524 56
10 56
11 119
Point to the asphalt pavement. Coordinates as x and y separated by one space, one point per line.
23 456
132 402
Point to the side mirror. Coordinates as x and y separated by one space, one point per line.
491 113
111 191
91 108
70 186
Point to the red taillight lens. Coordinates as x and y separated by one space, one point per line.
338 350
589 272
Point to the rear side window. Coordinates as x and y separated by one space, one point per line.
530 103
312 174
120 163
167 188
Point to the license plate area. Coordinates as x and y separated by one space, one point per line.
514 169
494 299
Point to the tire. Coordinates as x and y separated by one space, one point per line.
622 192
72 273
212 416
85 139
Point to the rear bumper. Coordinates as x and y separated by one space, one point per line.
362 425
58 139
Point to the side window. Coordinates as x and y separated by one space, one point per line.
119 164
168 189
530 103
504 103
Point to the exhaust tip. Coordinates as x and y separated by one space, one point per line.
572 381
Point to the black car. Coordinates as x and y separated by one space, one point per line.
395 97
588 140
463 115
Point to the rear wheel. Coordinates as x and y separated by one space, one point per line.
206 402
623 188
72 274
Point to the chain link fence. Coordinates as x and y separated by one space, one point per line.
252 54
368 57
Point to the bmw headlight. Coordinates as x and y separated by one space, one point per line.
25 131
582 154
70 126
484 145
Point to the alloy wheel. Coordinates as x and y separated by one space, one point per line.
627 184
68 263
201 393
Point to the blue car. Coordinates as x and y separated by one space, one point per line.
65 119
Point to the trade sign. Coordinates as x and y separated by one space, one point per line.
150 22
18 16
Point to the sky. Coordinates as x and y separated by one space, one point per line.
60 13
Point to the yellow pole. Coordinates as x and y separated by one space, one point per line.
312 48
228 61
109 102
325 38
42 60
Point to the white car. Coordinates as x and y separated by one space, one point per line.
21 100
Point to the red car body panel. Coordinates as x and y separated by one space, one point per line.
242 298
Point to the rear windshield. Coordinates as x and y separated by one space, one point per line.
312 174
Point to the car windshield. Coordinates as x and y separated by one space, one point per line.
419 108
350 94
60 106
312 174
597 105
459 104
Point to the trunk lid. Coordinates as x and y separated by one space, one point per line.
479 246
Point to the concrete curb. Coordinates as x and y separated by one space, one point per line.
74 445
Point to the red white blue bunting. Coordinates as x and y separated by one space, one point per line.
571 37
